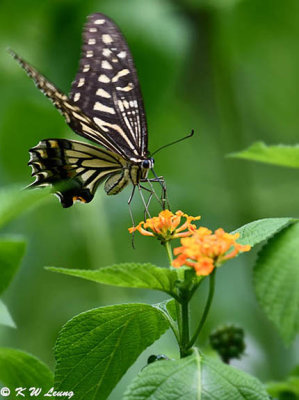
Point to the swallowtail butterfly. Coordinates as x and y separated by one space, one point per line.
105 106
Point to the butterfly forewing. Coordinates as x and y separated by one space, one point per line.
106 87
74 116
77 167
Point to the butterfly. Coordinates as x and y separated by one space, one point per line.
105 105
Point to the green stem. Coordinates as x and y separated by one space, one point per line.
169 252
206 310
168 248
185 327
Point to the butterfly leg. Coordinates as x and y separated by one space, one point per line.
151 193
146 211
164 198
161 180
129 204
148 203
131 214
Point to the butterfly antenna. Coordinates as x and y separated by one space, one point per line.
171 143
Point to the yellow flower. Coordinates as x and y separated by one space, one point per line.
205 250
166 226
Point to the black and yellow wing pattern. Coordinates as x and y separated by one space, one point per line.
106 87
78 167
105 106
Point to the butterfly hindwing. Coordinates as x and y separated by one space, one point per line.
106 86
77 168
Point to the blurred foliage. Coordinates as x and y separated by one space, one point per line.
11 253
286 389
20 369
277 287
5 317
15 199
227 69
287 156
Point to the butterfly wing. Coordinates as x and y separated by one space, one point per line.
74 116
78 168
106 87
105 106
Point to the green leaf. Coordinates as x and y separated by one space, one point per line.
192 378
286 156
95 349
289 387
169 308
145 276
14 200
221 382
257 231
20 369
5 317
11 253
276 281
168 380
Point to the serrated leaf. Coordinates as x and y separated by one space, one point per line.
95 348
14 200
276 281
223 382
168 380
5 317
192 378
11 253
286 156
257 231
20 369
132 275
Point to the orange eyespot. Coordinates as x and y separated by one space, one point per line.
79 198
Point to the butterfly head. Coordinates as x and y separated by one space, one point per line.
148 163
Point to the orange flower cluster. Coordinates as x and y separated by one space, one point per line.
167 226
205 250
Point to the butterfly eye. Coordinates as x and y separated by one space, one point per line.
148 163
145 164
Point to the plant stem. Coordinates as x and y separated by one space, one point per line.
179 309
206 310
169 252
185 327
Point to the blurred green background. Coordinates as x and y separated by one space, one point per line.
227 69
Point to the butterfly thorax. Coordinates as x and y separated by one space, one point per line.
133 171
